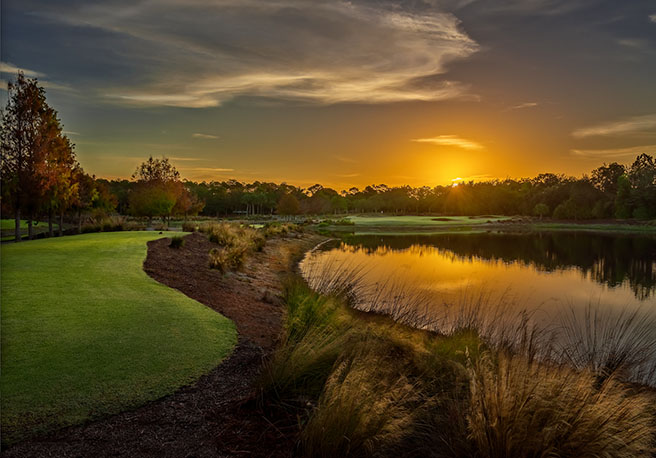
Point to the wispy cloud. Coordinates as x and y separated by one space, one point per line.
71 133
616 152
521 106
652 17
206 169
185 159
634 43
472 178
204 136
620 127
451 140
348 175
348 160
6 67
284 49
11 69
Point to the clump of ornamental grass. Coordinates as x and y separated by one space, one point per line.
525 408
609 343
235 242
189 226
228 258
366 405
276 229
313 338
223 234
177 242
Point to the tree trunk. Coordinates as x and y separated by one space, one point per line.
61 223
79 222
50 231
30 229
17 232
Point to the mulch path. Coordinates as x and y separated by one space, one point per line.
216 416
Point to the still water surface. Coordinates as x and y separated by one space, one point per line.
546 273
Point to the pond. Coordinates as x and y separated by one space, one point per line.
549 276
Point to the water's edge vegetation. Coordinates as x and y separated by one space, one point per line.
361 384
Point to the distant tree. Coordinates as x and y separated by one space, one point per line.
156 171
605 177
187 203
623 207
541 210
642 176
152 200
157 189
288 205
61 190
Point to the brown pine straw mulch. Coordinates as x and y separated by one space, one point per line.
216 416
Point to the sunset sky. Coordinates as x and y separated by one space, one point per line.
344 93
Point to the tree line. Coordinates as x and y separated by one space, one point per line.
609 191
42 179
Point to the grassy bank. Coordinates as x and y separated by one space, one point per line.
362 385
86 333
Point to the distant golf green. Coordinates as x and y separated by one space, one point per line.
426 224
409 221
86 333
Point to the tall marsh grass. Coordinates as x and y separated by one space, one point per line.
522 408
478 381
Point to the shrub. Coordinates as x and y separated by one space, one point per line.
259 242
133 226
336 222
189 227
177 242
235 241
280 229
87 228
228 258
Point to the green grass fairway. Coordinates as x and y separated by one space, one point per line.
10 224
86 333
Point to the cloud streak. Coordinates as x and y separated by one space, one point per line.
451 140
615 152
621 127
6 67
322 52
204 136
521 106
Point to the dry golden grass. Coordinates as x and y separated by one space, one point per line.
522 408
487 386
235 242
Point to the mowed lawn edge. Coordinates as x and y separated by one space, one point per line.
87 333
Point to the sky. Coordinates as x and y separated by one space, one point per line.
343 93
